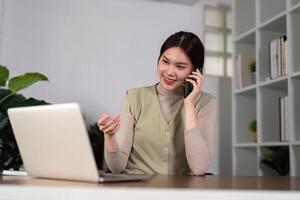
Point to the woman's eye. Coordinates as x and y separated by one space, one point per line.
165 62
180 67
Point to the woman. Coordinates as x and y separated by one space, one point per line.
158 130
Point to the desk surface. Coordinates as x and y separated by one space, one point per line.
173 181
156 188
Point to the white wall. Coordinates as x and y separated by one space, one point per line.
92 51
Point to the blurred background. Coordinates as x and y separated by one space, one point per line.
93 51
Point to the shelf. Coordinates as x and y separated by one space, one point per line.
294 46
270 8
295 9
246 104
246 161
253 144
295 155
261 101
247 37
273 144
249 90
296 143
295 112
296 75
277 83
245 9
244 47
268 101
294 4
267 171
266 34
278 23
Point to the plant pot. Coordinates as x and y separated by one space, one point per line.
254 136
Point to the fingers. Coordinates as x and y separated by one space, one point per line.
192 81
104 118
113 129
109 125
196 78
111 122
197 74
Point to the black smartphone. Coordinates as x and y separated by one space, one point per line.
188 87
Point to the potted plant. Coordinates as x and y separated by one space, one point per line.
252 67
9 153
252 129
277 158
97 141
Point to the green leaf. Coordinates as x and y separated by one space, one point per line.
17 100
4 73
23 81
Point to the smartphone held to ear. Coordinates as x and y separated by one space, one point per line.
188 87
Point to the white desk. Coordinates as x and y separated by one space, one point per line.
158 187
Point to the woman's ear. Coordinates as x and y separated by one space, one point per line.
194 68
201 70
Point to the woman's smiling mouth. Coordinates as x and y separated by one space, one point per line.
168 81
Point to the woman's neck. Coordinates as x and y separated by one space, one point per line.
178 92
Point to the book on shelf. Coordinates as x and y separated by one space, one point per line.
283 119
278 57
243 72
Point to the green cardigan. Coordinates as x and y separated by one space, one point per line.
158 146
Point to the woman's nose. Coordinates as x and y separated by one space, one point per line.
171 70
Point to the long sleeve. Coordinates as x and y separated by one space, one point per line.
117 158
196 147
199 140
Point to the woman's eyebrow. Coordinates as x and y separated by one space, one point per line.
165 57
178 63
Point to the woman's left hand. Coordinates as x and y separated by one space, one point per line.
197 80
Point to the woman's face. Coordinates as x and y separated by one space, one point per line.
173 68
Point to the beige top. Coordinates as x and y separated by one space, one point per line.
198 142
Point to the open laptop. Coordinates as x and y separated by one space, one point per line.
54 143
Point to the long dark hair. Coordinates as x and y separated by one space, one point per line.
189 43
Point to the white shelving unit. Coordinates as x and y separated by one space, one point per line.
256 23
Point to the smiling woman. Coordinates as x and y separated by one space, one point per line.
173 67
159 130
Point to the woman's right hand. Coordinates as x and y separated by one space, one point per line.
109 125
